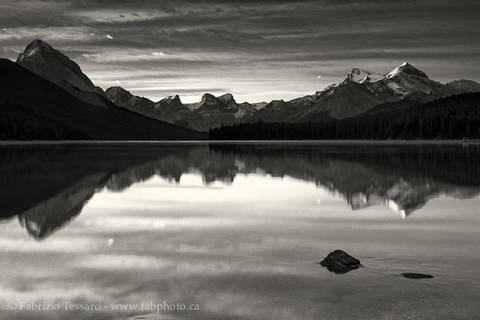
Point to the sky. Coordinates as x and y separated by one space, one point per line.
256 50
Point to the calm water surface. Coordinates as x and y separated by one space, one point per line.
237 230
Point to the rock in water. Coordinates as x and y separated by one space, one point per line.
412 275
340 262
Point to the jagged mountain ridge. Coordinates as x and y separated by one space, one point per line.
169 109
210 112
222 110
54 66
47 96
465 85
28 97
42 59
360 92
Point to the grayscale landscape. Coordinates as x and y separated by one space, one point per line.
239 160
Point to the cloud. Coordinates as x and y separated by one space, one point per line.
114 56
241 44
117 15
74 33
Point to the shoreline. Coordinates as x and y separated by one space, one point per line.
264 142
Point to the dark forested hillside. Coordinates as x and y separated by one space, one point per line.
20 123
453 117
32 107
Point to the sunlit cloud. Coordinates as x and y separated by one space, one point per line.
57 244
78 34
117 15
142 55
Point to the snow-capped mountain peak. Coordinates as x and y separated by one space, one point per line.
362 76
406 68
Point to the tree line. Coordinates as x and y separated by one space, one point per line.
454 117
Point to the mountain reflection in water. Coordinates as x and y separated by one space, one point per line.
46 186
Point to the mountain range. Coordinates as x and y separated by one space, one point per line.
46 95
210 112
360 92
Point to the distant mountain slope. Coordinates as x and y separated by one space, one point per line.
216 111
453 117
29 99
360 92
259 105
277 111
465 85
49 63
391 107
170 109
210 112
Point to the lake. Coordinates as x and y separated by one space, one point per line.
236 231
